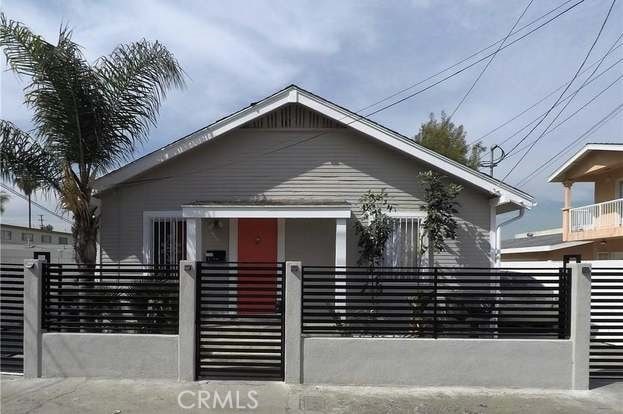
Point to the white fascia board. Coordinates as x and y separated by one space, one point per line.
295 95
396 141
265 212
200 137
589 147
549 248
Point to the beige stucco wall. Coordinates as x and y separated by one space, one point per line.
606 186
339 165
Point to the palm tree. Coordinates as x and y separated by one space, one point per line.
4 198
28 185
88 117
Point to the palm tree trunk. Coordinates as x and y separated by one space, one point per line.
84 231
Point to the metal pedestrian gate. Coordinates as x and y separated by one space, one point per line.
240 321
606 347
11 318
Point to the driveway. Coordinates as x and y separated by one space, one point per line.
107 396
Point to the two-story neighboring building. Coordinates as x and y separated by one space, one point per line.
18 243
595 231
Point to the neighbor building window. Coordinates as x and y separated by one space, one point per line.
62 240
46 238
168 240
28 237
401 249
6 235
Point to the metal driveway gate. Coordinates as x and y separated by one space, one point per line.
240 321
606 355
11 318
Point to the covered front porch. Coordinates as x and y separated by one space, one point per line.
267 231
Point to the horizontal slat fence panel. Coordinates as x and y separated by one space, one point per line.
11 318
436 302
606 355
111 298
240 321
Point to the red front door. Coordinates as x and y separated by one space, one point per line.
257 242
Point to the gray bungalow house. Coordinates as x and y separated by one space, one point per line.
281 180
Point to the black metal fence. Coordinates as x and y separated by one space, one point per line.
441 302
116 298
240 321
11 318
606 356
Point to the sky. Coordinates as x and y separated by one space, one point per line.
355 53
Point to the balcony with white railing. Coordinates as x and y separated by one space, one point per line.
596 221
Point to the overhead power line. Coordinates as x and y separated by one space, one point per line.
434 75
41 206
505 123
565 99
482 72
358 116
453 74
594 128
519 150
603 24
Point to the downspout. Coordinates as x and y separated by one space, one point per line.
498 234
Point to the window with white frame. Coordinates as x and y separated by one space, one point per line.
402 247
168 240
46 238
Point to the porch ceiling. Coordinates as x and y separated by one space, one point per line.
296 208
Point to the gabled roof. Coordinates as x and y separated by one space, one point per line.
558 175
294 94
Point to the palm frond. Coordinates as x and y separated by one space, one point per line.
135 79
23 158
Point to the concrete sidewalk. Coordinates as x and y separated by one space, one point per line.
79 395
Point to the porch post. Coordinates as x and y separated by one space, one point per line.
340 242
340 261
566 224
580 333
33 274
186 362
194 245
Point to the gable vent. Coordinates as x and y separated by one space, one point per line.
293 116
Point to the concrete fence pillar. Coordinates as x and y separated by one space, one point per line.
187 322
580 334
293 301
33 301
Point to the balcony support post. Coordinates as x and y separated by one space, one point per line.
566 224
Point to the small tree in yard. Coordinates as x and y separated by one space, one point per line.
439 224
374 228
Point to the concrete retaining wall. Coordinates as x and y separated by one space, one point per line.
438 362
109 355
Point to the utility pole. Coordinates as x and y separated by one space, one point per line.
41 220
493 162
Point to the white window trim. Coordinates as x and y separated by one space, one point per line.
148 216
409 214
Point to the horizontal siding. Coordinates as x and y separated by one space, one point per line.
339 165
